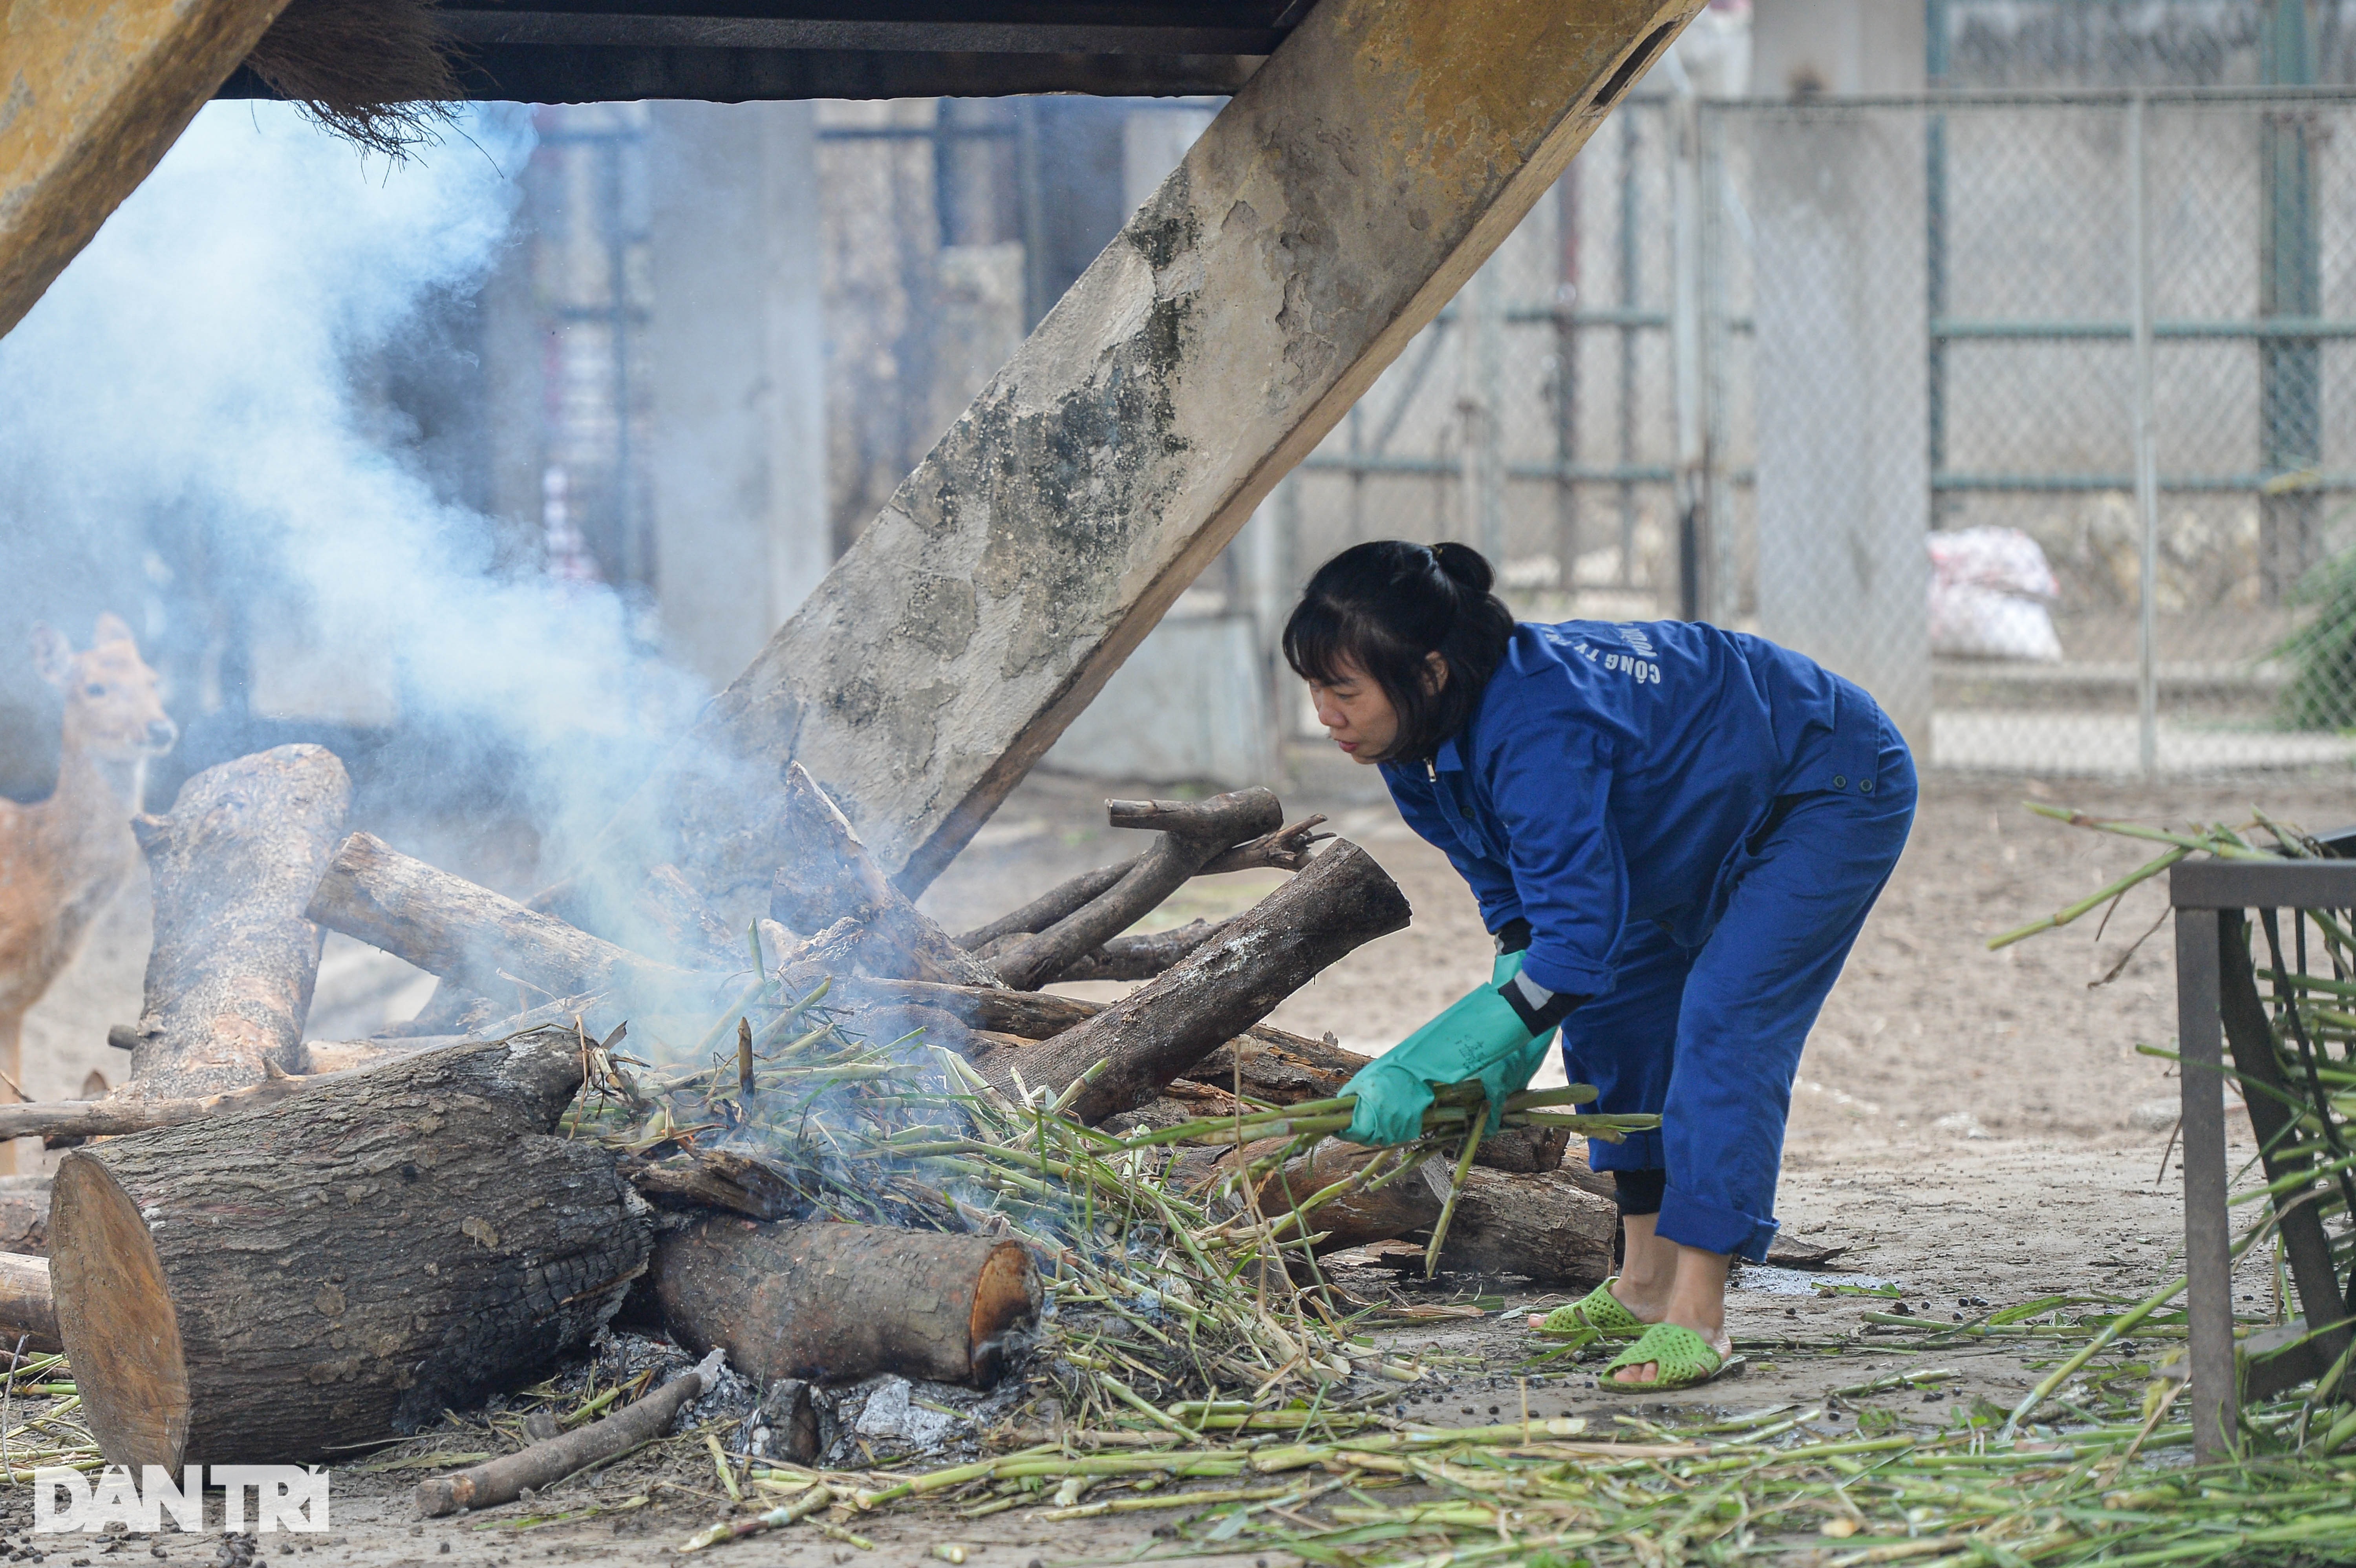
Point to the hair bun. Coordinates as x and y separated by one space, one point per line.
1467 567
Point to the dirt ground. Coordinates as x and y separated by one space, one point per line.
1969 1126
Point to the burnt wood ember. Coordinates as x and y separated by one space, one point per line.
230 977
1342 901
829 877
837 1302
715 1179
1192 832
269 1286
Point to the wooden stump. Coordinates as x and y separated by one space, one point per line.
265 1287
228 979
838 1302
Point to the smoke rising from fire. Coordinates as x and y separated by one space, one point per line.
192 370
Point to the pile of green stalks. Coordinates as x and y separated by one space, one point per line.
1182 1376
2088 1468
1158 1293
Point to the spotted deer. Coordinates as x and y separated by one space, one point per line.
62 859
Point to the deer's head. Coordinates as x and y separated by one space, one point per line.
113 707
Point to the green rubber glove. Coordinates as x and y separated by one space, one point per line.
1480 1036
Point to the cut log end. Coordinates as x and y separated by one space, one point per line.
117 1319
840 1301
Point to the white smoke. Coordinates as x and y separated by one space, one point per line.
194 362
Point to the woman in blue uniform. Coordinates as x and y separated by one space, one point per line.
1675 833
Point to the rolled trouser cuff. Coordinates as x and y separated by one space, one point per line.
1691 1222
1634 1151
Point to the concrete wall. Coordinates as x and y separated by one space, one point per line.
737 346
1841 47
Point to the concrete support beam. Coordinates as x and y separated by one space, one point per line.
738 363
92 92
1339 199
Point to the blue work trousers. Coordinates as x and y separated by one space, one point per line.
1710 1036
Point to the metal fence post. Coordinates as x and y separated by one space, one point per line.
2146 481
2207 1233
1691 496
1484 452
1631 262
1722 573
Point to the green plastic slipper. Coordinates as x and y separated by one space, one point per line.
1686 1360
1598 1311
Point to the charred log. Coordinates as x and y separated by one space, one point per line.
473 937
837 1302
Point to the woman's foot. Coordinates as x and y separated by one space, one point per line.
1662 1282
1720 1344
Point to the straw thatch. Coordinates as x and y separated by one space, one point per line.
377 72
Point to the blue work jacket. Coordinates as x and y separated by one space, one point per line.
1613 771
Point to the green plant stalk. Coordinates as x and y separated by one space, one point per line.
1474 1127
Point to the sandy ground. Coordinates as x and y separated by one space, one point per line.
1969 1126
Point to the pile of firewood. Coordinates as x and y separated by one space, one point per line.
840 1141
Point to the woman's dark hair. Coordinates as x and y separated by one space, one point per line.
1384 606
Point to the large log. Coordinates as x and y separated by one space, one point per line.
663 919
827 877
475 938
230 977
1338 201
1541 1224
1342 900
1192 831
838 1302
269 1287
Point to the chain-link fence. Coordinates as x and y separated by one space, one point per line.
2033 413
